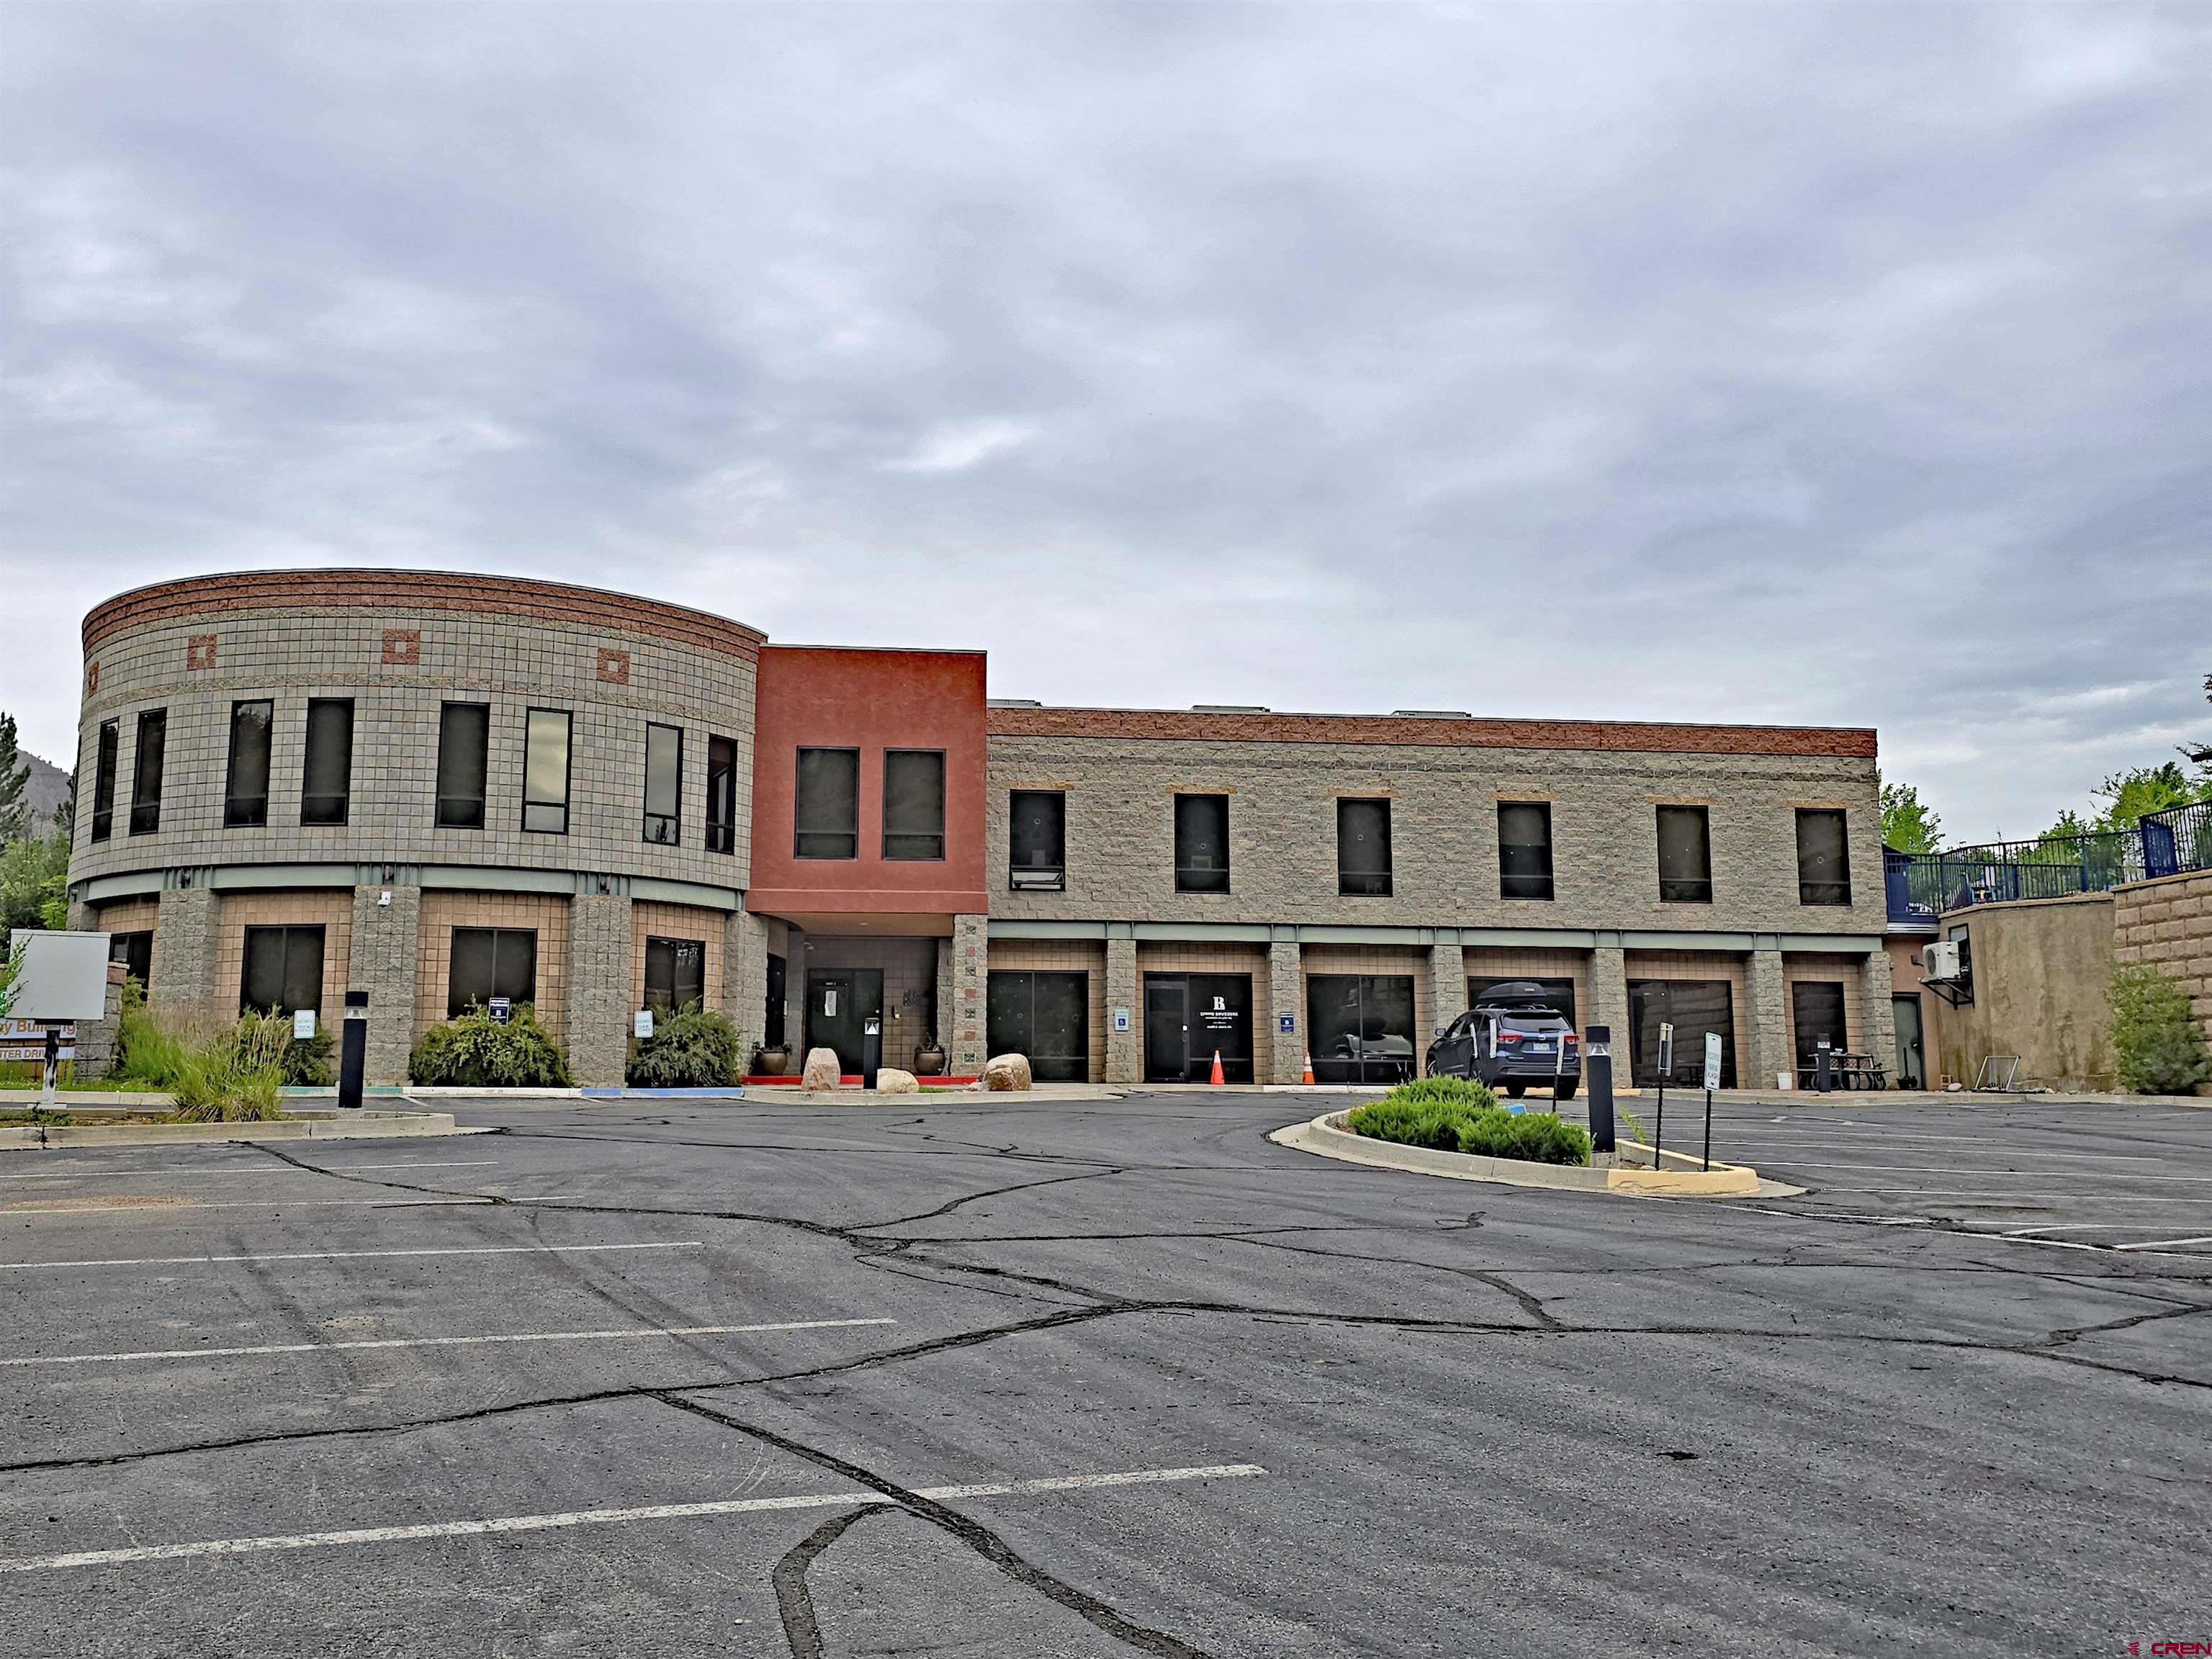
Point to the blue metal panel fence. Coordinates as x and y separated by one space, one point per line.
1920 886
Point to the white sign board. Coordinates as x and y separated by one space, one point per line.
1713 1060
643 1024
303 1024
500 1010
64 976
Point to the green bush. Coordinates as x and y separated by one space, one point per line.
236 1077
147 1053
473 1053
1455 1114
306 1060
693 1048
2155 1037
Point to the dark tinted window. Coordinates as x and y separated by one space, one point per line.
1360 1027
826 802
463 740
491 962
722 795
1201 843
1824 865
283 970
675 973
103 781
146 772
664 783
1363 848
545 772
1692 1008
135 951
771 1024
245 781
1037 838
913 804
1524 849
325 794
1045 1016
1558 994
1686 860
1816 1010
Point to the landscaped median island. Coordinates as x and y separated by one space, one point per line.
1453 1114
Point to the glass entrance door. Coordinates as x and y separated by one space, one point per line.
1167 1029
838 1001
1912 1064
1191 1017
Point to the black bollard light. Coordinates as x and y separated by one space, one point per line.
872 1050
1597 1078
353 1049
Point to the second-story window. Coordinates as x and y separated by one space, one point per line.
1363 848
1824 865
103 780
545 772
146 772
826 804
1686 856
245 781
327 788
463 744
1036 841
664 783
914 803
722 794
1524 849
1201 843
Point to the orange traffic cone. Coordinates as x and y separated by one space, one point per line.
1308 1079
1217 1079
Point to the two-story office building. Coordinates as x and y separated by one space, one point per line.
439 789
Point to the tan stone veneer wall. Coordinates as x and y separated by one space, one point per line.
2168 924
1085 956
2040 966
442 911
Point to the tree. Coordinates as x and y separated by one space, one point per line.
1906 824
2202 752
14 774
2158 1045
34 882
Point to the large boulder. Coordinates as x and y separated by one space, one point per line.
889 1080
1007 1072
822 1069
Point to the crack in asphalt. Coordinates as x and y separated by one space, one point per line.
970 1532
794 1601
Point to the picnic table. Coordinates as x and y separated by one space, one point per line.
1846 1071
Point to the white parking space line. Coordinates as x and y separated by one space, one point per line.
2011 1196
340 1255
512 1524
2163 1243
139 1207
186 1171
1964 1169
642 1333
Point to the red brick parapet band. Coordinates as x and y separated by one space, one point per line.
520 597
1171 724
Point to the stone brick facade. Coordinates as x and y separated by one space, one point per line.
599 1006
384 961
2168 924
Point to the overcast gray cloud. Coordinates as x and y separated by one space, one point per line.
1842 365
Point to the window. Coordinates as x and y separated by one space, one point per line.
1363 848
103 781
135 951
1044 1016
826 801
1816 1010
1360 1027
1524 849
675 973
1686 858
664 783
914 803
245 783
464 742
722 795
283 971
145 774
1824 865
491 962
772 1019
1036 841
1201 843
545 772
326 789
1692 1008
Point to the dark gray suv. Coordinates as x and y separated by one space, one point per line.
1512 1037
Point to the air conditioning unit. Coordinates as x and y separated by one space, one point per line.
1939 961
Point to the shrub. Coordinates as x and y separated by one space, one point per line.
147 1053
694 1048
2158 1043
1461 1091
306 1060
235 1077
1455 1114
1533 1137
473 1053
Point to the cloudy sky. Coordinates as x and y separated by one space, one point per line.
1845 365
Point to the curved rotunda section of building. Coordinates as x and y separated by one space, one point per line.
409 782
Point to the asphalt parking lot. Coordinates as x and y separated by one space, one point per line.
966 1376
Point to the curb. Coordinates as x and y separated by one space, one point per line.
1324 1137
368 1126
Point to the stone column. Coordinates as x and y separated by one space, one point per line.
972 968
598 988
1877 1013
744 980
1447 991
185 931
1609 1005
1773 1049
1123 1062
794 997
97 1039
385 961
1286 994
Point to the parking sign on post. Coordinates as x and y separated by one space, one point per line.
1712 1082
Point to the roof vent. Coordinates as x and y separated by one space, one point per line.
1229 709
1011 702
1430 714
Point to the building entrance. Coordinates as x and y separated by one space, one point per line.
1189 1018
838 1001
